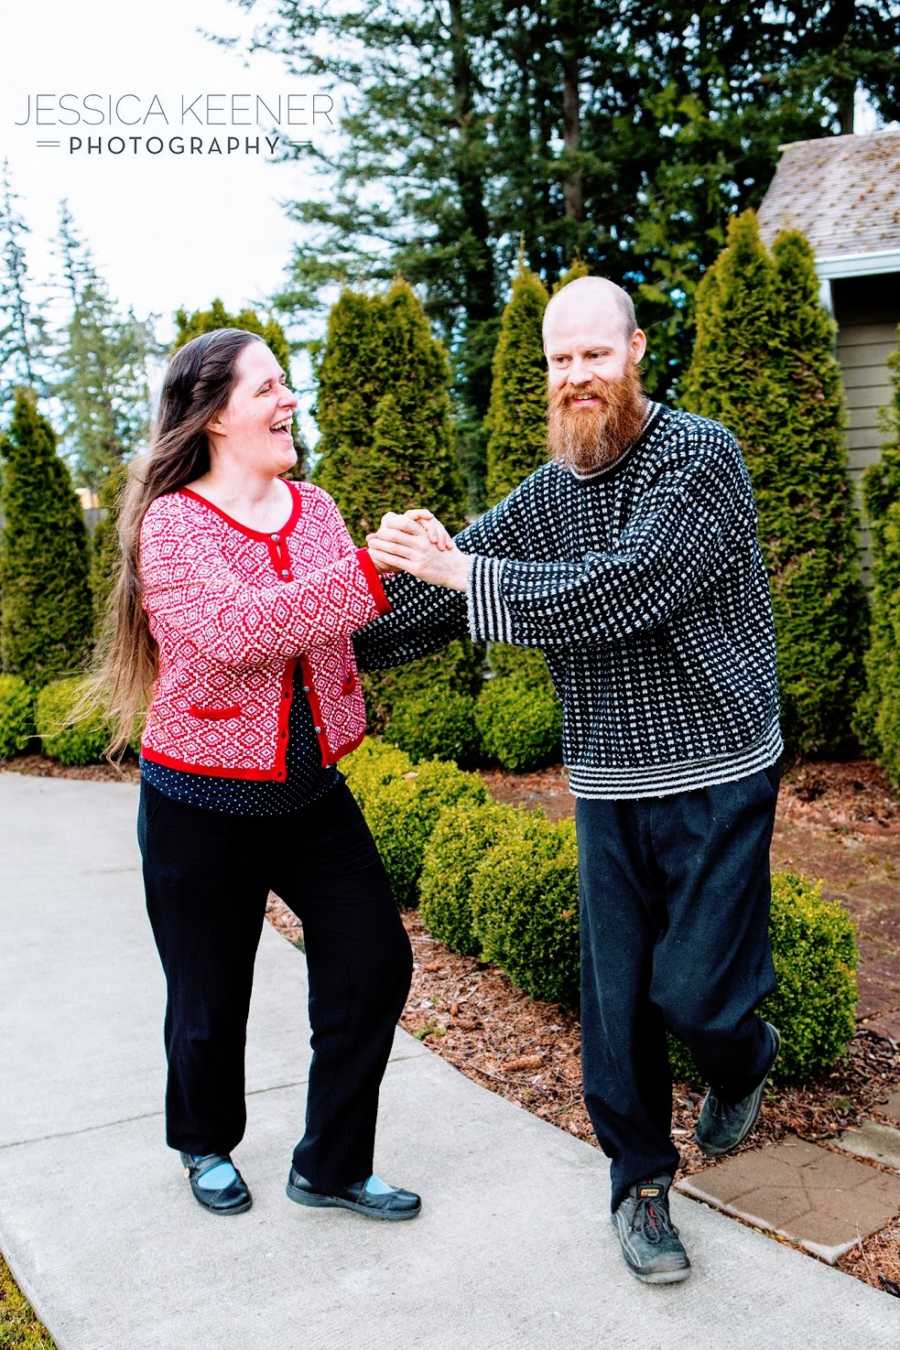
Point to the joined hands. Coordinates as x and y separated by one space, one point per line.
416 542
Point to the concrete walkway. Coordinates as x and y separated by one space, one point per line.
513 1249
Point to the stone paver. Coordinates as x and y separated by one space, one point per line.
891 1108
816 1197
872 1140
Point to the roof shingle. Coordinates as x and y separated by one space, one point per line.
843 192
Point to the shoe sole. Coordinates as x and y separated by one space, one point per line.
662 1276
223 1213
335 1202
754 1114
651 1276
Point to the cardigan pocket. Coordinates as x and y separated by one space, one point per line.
215 714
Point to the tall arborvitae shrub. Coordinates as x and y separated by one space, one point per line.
45 597
877 720
817 580
383 408
516 423
763 364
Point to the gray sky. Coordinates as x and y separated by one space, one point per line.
168 229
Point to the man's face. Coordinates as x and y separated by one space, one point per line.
596 407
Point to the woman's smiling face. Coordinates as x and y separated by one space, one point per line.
254 427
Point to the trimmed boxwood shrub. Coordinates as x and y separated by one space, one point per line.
439 724
82 743
403 813
462 838
525 908
373 764
519 721
814 1007
16 715
458 668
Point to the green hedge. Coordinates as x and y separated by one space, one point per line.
519 722
427 707
525 907
815 954
372 766
518 715
83 743
462 837
403 813
439 724
16 715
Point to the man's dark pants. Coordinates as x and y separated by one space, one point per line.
675 894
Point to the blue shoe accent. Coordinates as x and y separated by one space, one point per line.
375 1186
218 1177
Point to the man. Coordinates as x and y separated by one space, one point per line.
631 560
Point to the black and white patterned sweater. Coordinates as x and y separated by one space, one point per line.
644 586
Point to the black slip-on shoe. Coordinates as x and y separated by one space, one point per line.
722 1125
393 1205
234 1198
651 1247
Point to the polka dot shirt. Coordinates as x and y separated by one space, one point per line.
307 779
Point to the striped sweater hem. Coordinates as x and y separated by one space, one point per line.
662 780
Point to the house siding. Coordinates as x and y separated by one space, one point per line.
867 310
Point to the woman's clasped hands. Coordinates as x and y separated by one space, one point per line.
416 542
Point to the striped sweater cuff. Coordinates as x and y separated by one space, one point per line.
489 618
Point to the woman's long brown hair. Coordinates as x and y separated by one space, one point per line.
197 385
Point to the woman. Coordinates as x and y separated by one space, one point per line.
233 612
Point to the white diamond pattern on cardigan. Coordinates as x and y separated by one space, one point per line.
230 629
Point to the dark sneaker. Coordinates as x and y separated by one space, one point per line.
386 1202
722 1124
232 1198
652 1249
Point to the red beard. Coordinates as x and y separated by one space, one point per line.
588 439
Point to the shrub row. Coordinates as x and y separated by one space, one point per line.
46 715
431 710
501 883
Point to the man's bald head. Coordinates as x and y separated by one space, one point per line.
587 300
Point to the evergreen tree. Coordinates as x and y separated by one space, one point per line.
877 720
626 132
102 359
106 554
217 316
45 599
383 409
517 418
816 580
764 366
23 336
189 326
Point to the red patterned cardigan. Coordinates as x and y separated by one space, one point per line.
232 611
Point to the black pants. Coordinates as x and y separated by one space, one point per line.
207 877
675 895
